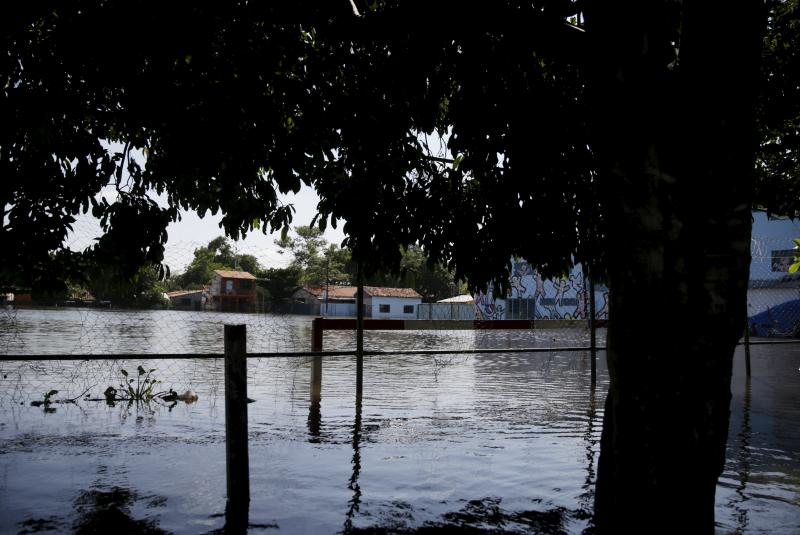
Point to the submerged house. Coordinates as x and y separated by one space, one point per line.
233 291
379 301
188 299
327 301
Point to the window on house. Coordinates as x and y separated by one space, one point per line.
384 309
245 284
408 309
229 286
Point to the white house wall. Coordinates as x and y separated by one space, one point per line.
396 305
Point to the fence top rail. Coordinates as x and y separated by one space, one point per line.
380 324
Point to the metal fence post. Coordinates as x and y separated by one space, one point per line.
236 452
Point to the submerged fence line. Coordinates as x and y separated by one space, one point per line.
351 353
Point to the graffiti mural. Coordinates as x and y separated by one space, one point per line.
533 297
487 308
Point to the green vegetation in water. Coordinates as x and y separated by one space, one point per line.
47 401
142 388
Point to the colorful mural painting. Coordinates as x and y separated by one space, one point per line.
532 297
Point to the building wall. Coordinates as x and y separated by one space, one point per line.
233 297
532 297
445 311
192 301
771 246
396 305
346 310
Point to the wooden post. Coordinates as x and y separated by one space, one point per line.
360 312
236 453
316 334
316 379
353 485
592 328
747 344
315 405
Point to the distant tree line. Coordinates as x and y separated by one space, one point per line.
314 262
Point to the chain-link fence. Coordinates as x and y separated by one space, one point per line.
773 295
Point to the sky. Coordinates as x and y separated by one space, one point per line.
193 231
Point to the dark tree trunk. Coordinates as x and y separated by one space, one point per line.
675 142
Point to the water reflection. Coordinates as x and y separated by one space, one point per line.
315 402
586 499
353 485
486 516
743 459
109 511
483 444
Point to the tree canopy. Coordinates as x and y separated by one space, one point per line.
232 104
629 143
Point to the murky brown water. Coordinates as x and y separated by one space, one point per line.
499 442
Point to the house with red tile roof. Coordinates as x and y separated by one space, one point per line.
379 301
233 291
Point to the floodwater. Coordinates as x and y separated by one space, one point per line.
487 443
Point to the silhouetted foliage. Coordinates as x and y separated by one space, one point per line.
568 145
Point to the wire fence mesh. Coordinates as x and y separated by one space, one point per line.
773 296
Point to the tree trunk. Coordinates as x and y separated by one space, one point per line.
675 142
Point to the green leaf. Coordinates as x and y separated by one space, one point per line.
124 372
140 370
794 267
